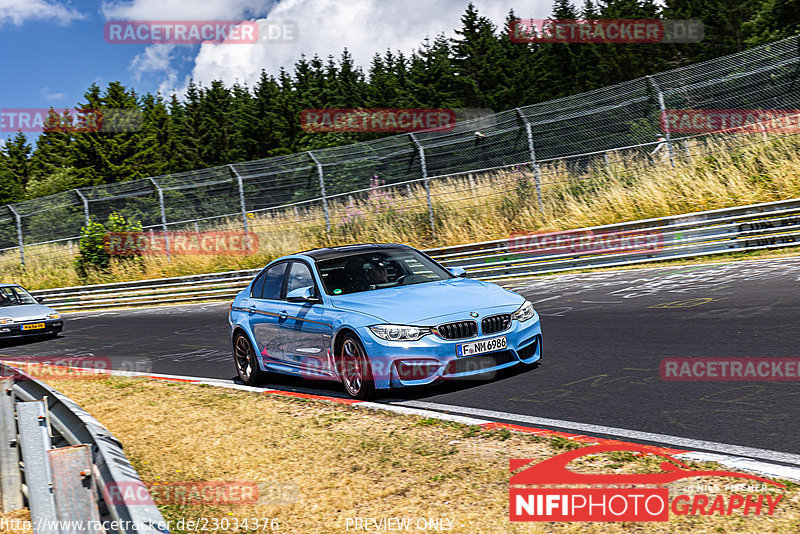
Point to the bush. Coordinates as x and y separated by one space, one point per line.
92 245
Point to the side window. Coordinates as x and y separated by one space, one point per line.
273 281
299 276
258 285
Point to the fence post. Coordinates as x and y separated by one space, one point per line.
424 167
688 151
662 106
322 190
160 193
241 198
536 172
85 205
18 219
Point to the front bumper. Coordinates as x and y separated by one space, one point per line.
13 330
432 358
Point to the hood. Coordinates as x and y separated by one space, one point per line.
25 312
419 304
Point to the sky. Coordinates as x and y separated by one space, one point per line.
52 50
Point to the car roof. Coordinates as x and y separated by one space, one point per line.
327 253
9 285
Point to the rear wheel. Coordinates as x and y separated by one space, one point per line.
354 369
246 362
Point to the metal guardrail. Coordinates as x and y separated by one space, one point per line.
181 289
64 463
745 228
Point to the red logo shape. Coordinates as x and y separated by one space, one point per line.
554 470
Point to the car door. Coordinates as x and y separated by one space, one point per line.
305 334
264 306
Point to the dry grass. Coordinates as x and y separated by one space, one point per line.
349 462
471 208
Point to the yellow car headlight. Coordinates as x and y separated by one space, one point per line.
54 316
6 320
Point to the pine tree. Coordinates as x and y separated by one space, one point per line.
476 55
108 155
516 68
265 98
432 77
156 144
54 152
558 64
17 152
217 125
10 187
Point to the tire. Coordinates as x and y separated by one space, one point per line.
354 369
244 358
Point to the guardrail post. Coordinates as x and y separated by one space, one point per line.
18 220
34 438
160 193
424 168
536 172
241 198
322 190
10 478
662 106
85 205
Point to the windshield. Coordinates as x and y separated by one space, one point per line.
377 270
15 296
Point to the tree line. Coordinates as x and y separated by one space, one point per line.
479 68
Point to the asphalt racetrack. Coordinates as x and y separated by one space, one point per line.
604 337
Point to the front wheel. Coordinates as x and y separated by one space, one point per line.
354 369
246 362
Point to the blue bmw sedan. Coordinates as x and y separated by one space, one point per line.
377 316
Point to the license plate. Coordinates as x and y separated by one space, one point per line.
479 347
35 326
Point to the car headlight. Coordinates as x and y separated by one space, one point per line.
393 332
54 316
6 320
524 312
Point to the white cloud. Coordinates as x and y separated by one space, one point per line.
50 95
18 12
325 27
184 9
155 59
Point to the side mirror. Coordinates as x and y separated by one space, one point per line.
302 294
457 271
39 299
